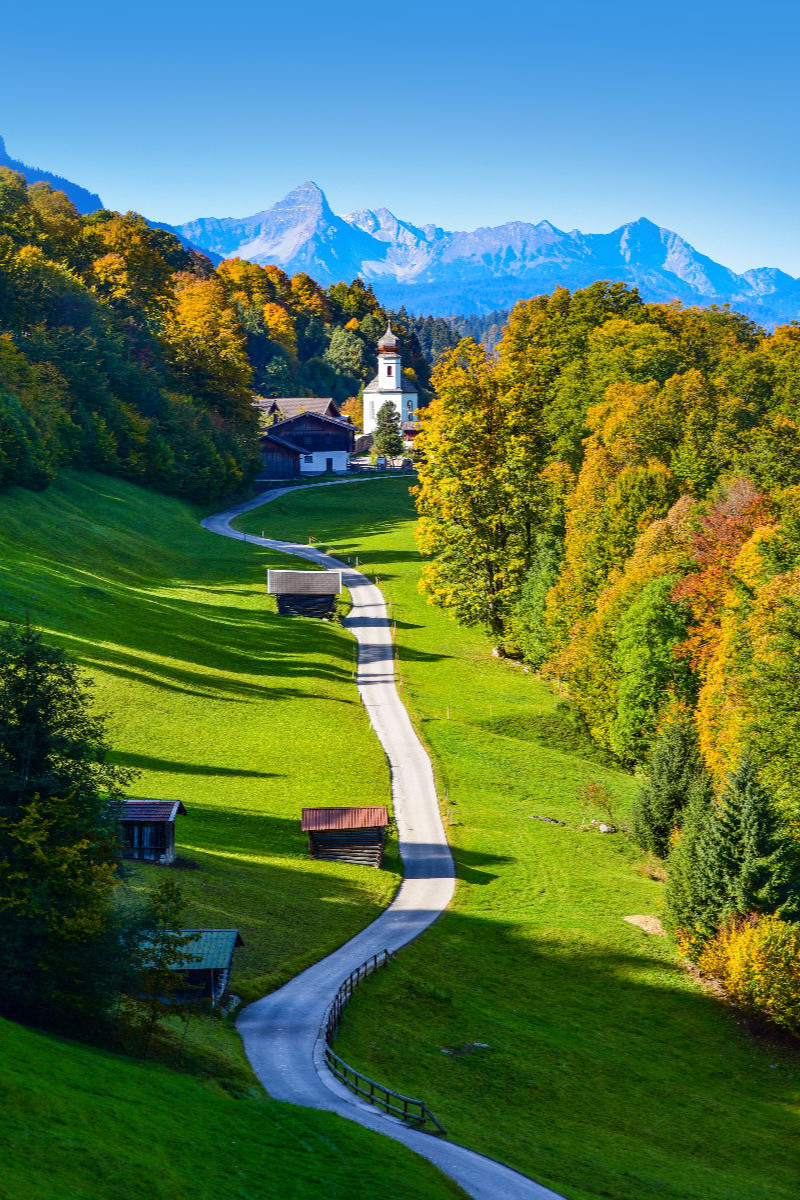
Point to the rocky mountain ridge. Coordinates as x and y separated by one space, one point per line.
431 269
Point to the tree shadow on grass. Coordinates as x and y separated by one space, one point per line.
594 1067
146 762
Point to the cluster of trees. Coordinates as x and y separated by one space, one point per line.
124 352
616 497
118 352
70 949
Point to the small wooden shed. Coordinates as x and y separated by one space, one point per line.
353 835
305 593
206 967
148 829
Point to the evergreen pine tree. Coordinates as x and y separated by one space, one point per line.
388 436
674 768
761 863
59 936
697 891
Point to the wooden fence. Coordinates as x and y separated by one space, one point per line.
414 1112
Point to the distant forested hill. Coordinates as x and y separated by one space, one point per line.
124 352
84 200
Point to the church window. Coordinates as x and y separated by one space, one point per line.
372 408
389 371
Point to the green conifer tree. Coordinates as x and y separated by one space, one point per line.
60 939
761 861
388 436
674 768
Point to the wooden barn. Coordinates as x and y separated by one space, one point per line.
148 829
354 835
305 593
308 443
206 969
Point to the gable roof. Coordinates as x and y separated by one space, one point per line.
365 817
152 810
334 422
304 583
210 949
292 406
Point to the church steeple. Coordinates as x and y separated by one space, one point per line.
390 370
388 343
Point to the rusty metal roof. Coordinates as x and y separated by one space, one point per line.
152 810
366 817
304 583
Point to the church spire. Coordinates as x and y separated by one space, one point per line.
388 344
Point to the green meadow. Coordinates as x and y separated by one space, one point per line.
245 718
83 1124
539 1025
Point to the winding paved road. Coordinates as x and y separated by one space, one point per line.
281 1033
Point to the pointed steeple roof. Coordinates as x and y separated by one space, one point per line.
388 343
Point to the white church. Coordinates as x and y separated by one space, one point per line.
389 384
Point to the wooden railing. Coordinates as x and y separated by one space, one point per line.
414 1112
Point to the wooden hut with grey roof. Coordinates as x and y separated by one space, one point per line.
305 593
148 829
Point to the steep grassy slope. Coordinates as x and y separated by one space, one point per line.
78 1124
242 715
540 1026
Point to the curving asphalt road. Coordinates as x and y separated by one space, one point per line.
281 1033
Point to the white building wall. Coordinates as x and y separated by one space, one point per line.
405 403
316 463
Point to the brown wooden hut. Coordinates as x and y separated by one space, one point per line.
305 593
148 829
353 835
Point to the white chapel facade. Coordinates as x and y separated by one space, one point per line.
389 384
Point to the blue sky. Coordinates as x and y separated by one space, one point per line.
584 114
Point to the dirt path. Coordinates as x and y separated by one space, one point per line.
281 1033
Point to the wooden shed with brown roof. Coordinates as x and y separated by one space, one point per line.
356 835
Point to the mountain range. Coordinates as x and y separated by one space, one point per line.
444 272
434 270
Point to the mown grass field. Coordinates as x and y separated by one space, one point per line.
80 1124
539 1026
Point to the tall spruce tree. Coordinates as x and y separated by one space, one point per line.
674 769
59 807
733 858
697 886
760 857
388 436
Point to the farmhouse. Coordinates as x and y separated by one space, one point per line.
148 829
283 407
306 444
205 963
305 593
389 384
354 835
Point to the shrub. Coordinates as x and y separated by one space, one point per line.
757 961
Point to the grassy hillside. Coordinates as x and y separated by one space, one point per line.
540 1026
242 715
83 1125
